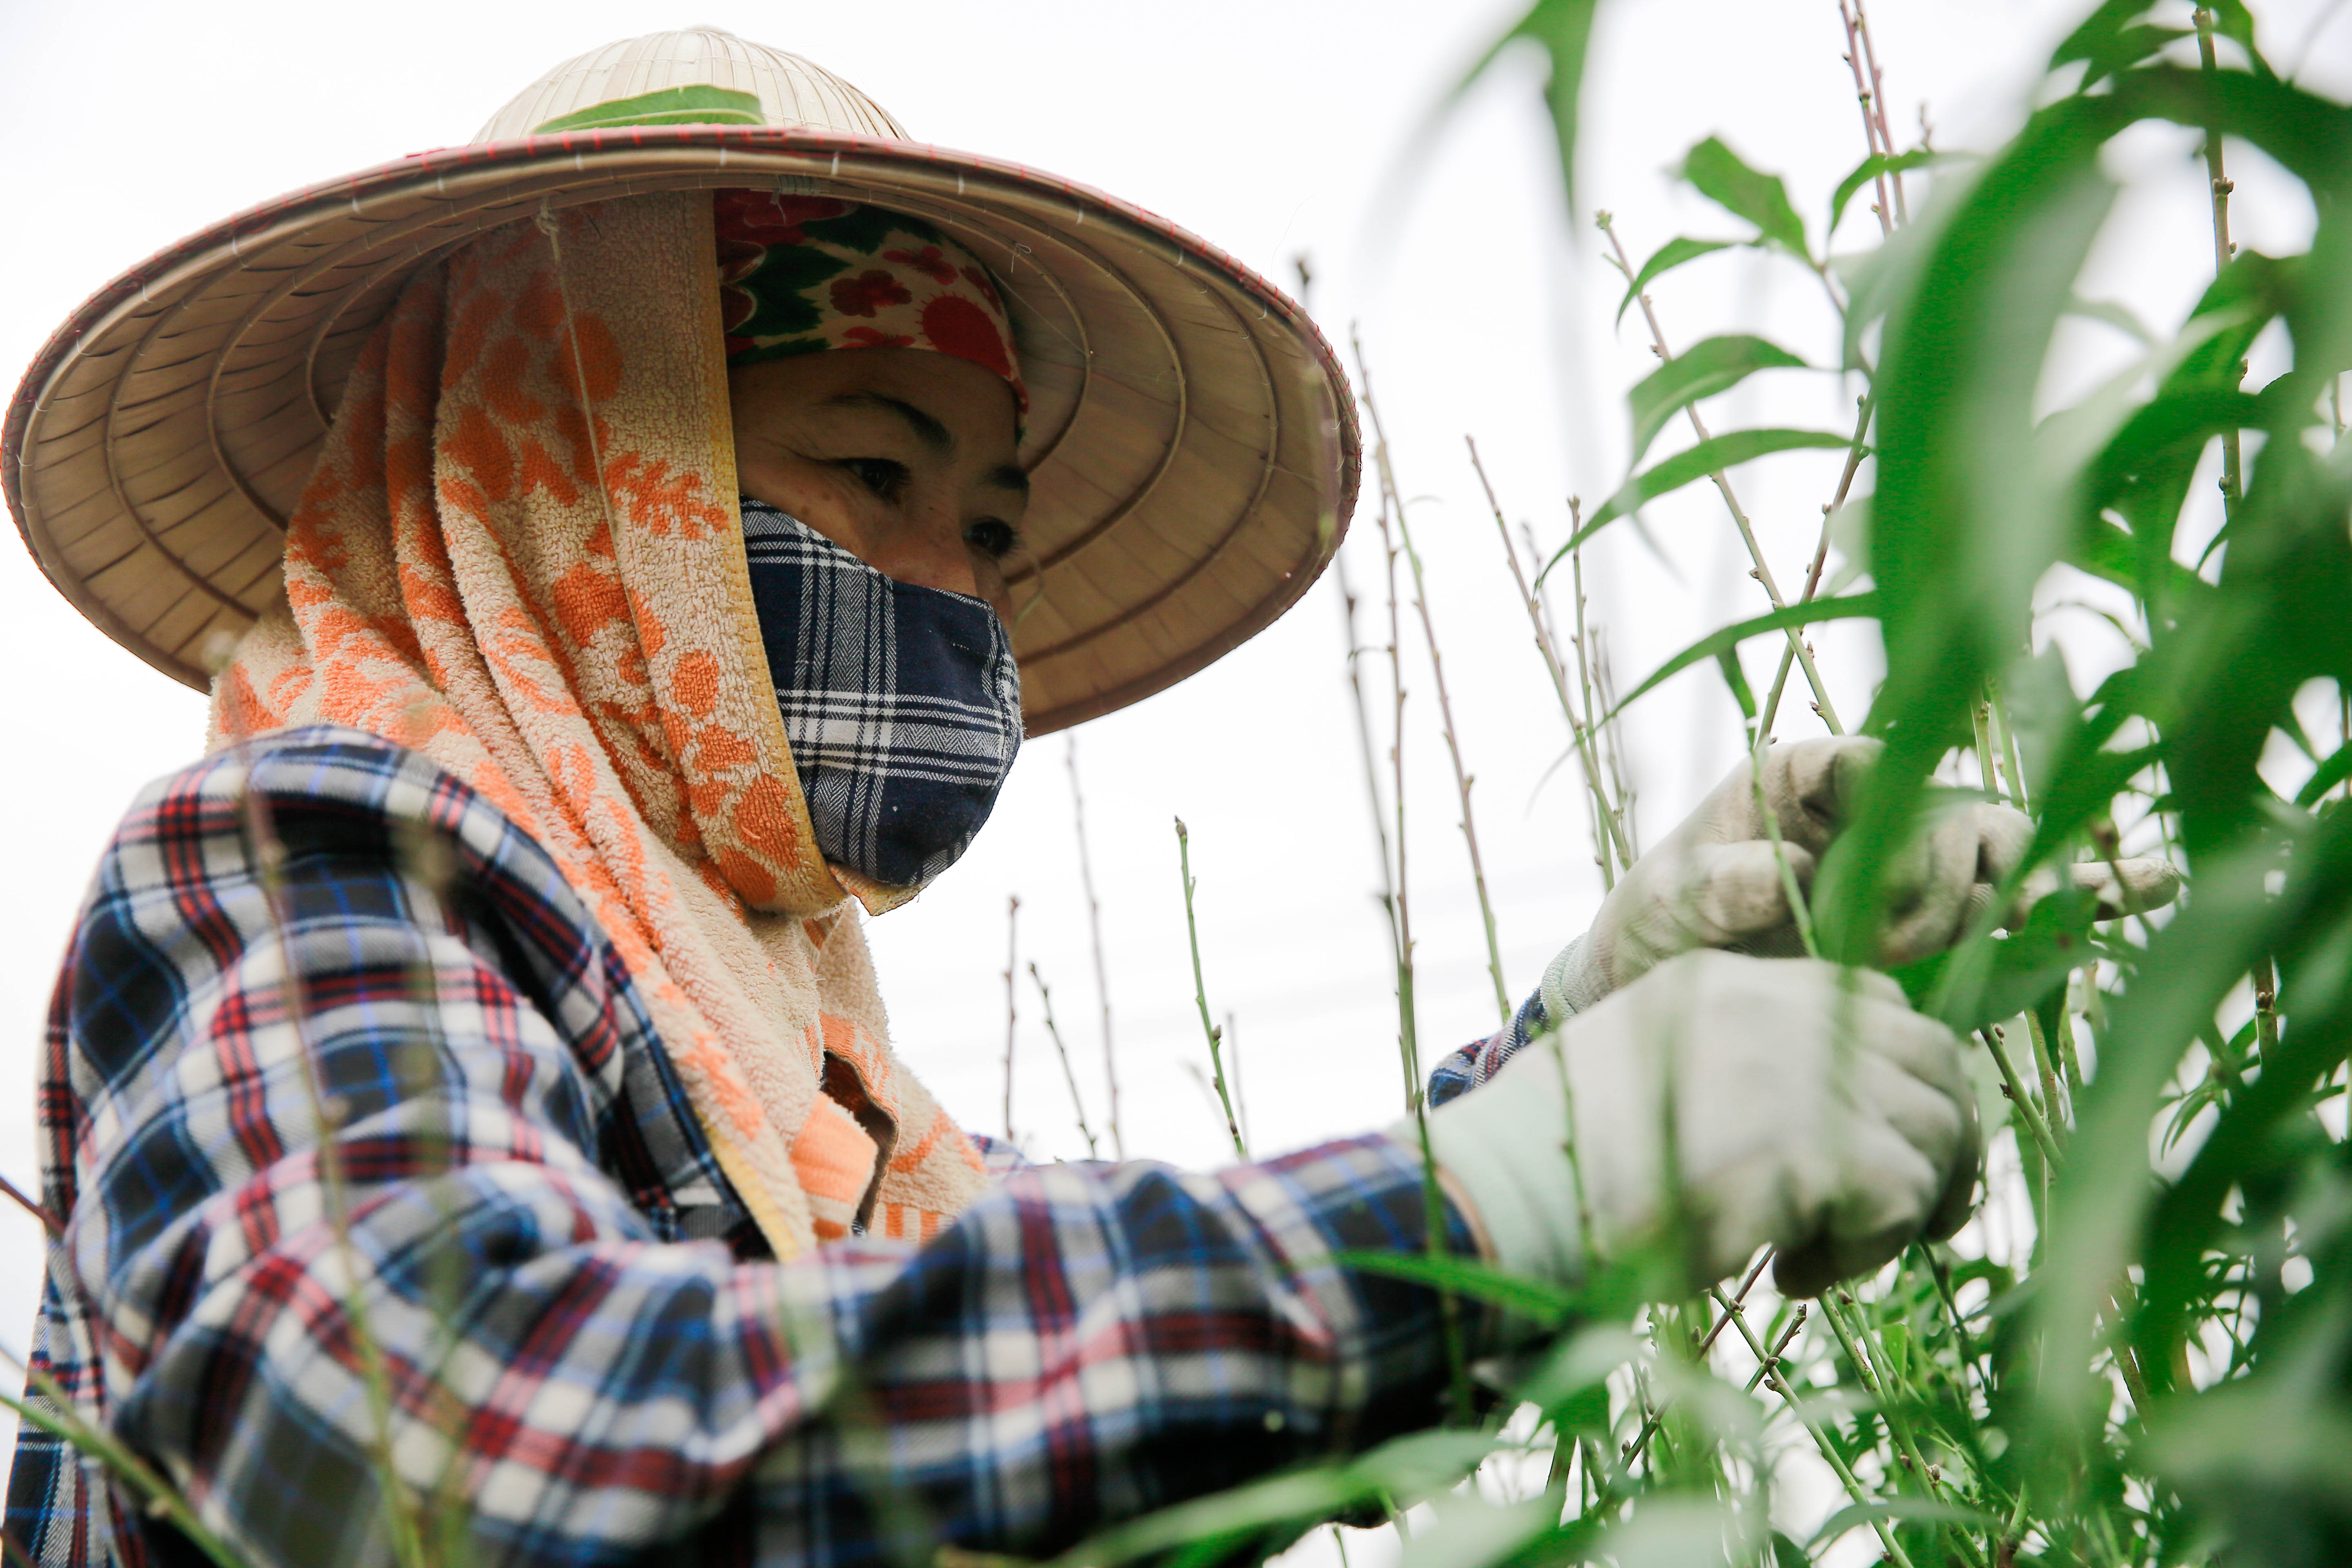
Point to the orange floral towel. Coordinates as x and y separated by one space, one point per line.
520 555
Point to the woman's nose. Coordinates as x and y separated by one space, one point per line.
929 551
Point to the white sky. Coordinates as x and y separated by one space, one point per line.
1270 127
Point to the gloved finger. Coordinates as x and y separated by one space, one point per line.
1920 1047
1706 896
1872 1211
2003 835
1805 1269
1820 985
1928 888
1812 785
1924 1115
1879 989
1928 1053
1737 892
1959 1199
1888 1192
2148 884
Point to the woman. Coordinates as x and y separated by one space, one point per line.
468 1098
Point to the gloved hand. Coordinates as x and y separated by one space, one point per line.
1713 882
1812 1109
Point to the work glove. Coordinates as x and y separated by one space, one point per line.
1810 1108
1713 881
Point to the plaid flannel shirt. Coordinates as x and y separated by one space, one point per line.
1473 1064
590 1355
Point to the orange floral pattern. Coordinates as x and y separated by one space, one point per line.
519 554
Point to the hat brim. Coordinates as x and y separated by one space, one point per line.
1191 441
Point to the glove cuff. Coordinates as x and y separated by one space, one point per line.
1502 1154
1572 983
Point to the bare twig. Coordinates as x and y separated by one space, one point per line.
31 1205
1762 568
1012 1003
1463 779
1241 1094
1738 1298
1856 451
1877 1379
1864 97
2012 1089
1356 650
1434 1210
1094 930
1070 1073
1201 992
1607 826
1769 1365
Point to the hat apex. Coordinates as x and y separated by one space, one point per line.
653 79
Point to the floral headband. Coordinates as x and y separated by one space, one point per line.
803 274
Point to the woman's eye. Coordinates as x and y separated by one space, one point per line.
992 538
880 475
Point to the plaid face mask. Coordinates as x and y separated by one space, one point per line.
902 703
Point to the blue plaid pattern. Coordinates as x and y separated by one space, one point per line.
591 1356
1465 1069
902 703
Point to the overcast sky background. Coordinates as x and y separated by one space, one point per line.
1273 127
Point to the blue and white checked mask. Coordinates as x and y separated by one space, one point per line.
902 703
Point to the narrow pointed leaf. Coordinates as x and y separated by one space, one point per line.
1869 169
1548 1304
1705 368
1712 456
1927 1510
1670 254
1723 177
1563 29
1714 645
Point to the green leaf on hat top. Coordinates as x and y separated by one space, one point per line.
696 104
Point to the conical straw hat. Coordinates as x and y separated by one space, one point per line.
1192 440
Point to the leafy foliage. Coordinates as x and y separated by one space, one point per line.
2166 1373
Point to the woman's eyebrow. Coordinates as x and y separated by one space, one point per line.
1008 477
928 430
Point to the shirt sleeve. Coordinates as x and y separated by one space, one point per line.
466 1294
1465 1069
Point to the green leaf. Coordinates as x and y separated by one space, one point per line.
2112 38
1563 31
1969 512
1711 456
2331 773
1723 177
1715 644
1707 367
1925 1511
1670 254
1547 1304
1983 983
1406 1468
1870 169
2113 315
1476 1534
1737 679
696 104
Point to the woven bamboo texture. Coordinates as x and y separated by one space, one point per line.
1192 443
